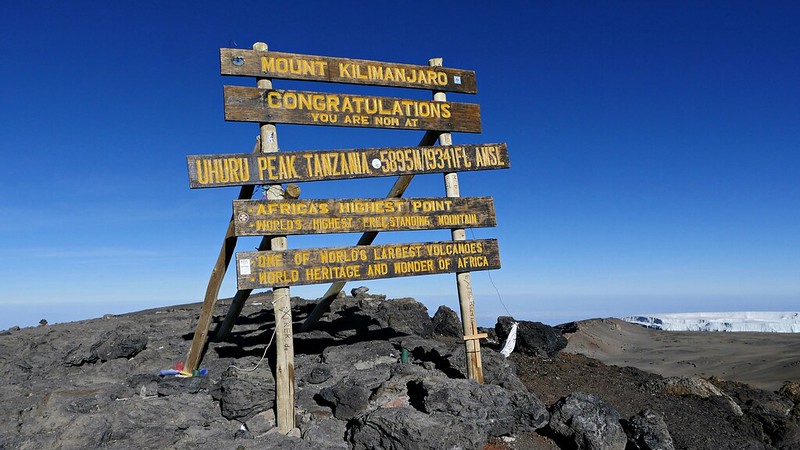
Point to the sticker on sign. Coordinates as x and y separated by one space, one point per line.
244 267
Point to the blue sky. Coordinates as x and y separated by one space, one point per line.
654 149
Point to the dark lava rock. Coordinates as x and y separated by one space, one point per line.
279 441
772 412
491 336
648 431
9 331
374 317
447 323
261 422
105 346
696 386
423 349
95 384
318 375
405 428
791 391
499 411
584 421
350 396
119 344
395 390
497 369
405 316
176 385
347 400
361 355
327 432
533 338
140 384
359 291
245 394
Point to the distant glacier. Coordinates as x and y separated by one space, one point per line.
765 322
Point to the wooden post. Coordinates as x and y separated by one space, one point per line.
214 283
463 280
284 345
397 191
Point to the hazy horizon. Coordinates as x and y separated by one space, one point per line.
488 307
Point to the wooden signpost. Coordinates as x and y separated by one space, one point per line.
324 265
282 213
243 169
291 217
291 66
246 104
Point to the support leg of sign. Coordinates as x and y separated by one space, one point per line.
215 281
397 191
224 330
284 344
463 280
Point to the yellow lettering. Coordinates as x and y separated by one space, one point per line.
201 178
404 267
269 162
381 109
347 104
294 66
286 169
377 270
274 99
332 103
344 70
267 64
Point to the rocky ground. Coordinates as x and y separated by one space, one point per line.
95 384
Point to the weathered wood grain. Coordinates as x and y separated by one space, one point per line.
247 104
240 169
257 270
321 216
292 66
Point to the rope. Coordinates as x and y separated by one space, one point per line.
489 273
264 355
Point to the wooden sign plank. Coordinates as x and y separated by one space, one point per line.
266 269
248 104
241 169
293 217
291 66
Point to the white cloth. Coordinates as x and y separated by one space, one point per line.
511 341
